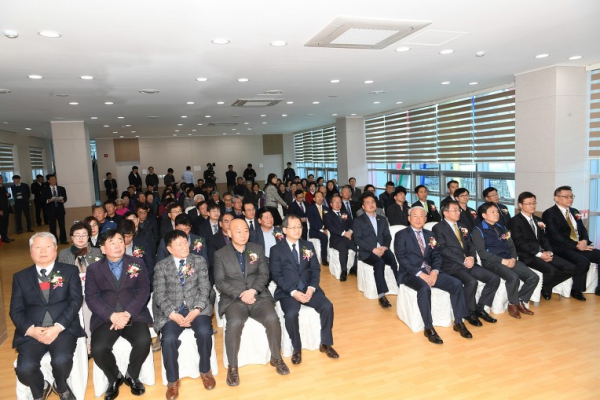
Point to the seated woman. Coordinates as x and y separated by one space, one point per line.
95 230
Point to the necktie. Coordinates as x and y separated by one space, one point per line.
214 228
295 255
182 281
320 211
533 226
422 246
302 207
348 209
43 277
573 234
457 233
116 270
426 207
251 225
54 194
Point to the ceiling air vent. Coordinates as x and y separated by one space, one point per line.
256 102
362 33
223 124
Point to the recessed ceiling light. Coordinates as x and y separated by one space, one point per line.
109 103
127 126
265 122
376 102
121 117
179 124
233 129
137 135
575 58
49 34
278 43
121 136
263 115
86 77
106 126
190 102
93 117
243 80
184 116
4 91
335 81
284 115
289 102
316 102
176 130
446 51
249 129
446 83
398 102
194 130
35 77
542 55
174 134
220 41
334 115
189 134
353 115
473 83
27 129
207 116
202 79
133 131
368 82
480 54
224 133
237 133
149 91
402 49
220 102
115 132
11 34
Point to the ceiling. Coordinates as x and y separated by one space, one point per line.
132 45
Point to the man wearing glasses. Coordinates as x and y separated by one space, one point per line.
491 194
570 239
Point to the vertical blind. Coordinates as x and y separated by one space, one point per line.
595 114
36 157
316 146
474 129
7 162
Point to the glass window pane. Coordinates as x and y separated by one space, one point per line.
401 180
431 182
505 187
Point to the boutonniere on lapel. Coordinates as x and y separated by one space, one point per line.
133 269
96 259
253 257
56 280
344 216
504 210
505 236
577 216
187 270
464 231
432 242
198 245
325 212
474 214
307 253
278 235
138 252
432 207
541 225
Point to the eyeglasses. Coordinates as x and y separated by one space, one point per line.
567 197
80 236
464 195
530 204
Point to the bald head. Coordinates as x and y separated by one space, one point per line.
239 232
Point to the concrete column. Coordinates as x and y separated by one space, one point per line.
73 160
352 156
551 140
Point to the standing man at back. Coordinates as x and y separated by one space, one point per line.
135 179
288 174
230 174
21 195
188 176
36 190
55 198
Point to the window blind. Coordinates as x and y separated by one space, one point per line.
316 146
36 158
7 162
494 123
594 151
422 141
455 131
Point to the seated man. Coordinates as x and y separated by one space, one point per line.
428 205
372 236
181 293
138 243
459 260
339 225
297 272
420 259
238 210
45 323
491 194
397 212
570 239
299 208
387 198
468 216
249 214
99 212
197 244
533 247
241 276
498 254
315 214
168 224
452 186
117 290
219 239
267 235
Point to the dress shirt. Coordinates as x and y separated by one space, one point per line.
529 220
573 220
373 220
299 250
48 273
420 233
270 241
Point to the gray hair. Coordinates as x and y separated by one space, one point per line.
42 235
416 208
238 197
198 198
286 220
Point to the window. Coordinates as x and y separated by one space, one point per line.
316 153
594 154
7 162
36 158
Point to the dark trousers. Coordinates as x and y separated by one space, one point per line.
237 313
321 304
103 340
582 260
31 353
444 282
323 239
39 208
53 219
4 225
379 264
276 216
554 272
469 278
512 276
22 207
169 338
343 245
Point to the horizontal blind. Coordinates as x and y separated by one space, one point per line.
36 158
494 123
329 145
455 131
375 139
595 114
422 128
316 146
7 162
299 147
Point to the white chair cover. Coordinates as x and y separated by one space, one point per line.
334 261
366 280
408 309
564 288
189 358
429 225
500 303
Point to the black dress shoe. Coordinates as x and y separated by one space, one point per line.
112 392
464 332
67 395
343 276
352 271
546 295
6 240
297 357
233 378
331 353
137 387
486 317
280 366
384 303
325 264
432 336
30 230
577 296
597 292
473 320
47 390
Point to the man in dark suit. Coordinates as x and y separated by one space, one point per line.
4 212
241 276
420 259
432 212
249 174
491 194
135 179
372 236
168 224
356 192
219 240
468 216
397 213
299 208
111 209
36 190
147 221
296 271
459 260
44 305
197 244
55 197
288 174
151 178
249 215
110 185
21 194
339 225
315 214
266 235
452 186
138 243
117 290
386 198
207 227
181 292
569 238
351 207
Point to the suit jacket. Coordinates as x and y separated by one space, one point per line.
526 242
135 180
23 189
258 237
356 193
36 190
102 293
166 226
230 281
28 305
288 174
110 184
150 227
198 246
468 218
504 215
288 275
314 218
336 225
215 243
408 253
4 202
355 207
169 294
453 255
67 257
558 230
143 242
396 216
296 210
432 212
366 238
53 208
386 200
